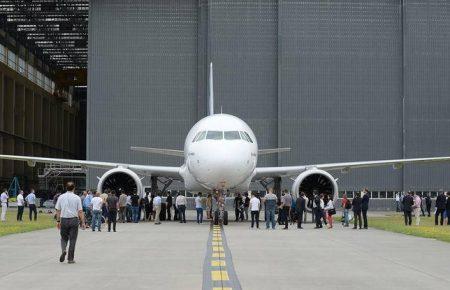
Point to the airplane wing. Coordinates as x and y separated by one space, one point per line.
166 171
162 151
272 151
288 171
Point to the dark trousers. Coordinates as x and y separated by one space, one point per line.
148 212
408 217
175 213
299 218
69 233
255 216
318 213
436 215
169 212
286 216
32 208
20 213
364 216
122 213
357 219
429 209
237 213
182 213
112 218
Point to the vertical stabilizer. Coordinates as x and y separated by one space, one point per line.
211 91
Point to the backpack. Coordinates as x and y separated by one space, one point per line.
348 205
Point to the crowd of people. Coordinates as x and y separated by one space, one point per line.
412 204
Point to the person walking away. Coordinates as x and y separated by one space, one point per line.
209 206
31 200
96 204
422 204
135 207
246 205
122 206
237 206
397 201
417 207
330 211
408 202
441 204
300 205
181 203
20 205
347 206
356 205
129 209
87 205
69 215
4 201
428 204
112 203
448 208
365 207
286 202
147 209
169 203
104 196
270 203
317 210
199 208
254 205
157 208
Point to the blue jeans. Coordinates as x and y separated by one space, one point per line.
135 213
96 219
270 218
346 217
199 215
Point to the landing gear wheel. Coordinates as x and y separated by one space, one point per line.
216 217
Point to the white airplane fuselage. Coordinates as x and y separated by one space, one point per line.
220 152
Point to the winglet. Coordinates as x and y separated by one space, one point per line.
211 91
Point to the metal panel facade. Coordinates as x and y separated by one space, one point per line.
335 80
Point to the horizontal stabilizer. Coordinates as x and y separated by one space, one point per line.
272 151
161 151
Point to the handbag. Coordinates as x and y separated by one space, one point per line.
332 211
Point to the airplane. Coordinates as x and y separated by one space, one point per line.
221 153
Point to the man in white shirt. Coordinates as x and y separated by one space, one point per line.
199 208
4 201
255 204
20 205
157 207
69 214
31 200
180 203
96 203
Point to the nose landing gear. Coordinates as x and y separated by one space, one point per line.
220 213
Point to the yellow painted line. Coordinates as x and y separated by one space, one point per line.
218 263
218 249
217 243
217 239
222 288
219 276
218 255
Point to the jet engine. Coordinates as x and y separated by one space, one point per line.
120 179
315 180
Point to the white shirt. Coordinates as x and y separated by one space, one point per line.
20 200
69 204
254 204
97 203
181 200
31 198
198 202
128 200
397 197
4 197
330 205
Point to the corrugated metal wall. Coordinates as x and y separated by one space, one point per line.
328 78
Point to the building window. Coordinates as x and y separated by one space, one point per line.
2 54
12 60
21 66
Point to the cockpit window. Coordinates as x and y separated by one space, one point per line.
214 135
245 136
200 136
232 135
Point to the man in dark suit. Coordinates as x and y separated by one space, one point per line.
441 203
300 205
428 203
365 206
408 202
356 205
448 208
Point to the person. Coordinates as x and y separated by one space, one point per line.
169 202
270 203
96 208
199 208
318 206
365 206
147 209
324 199
180 203
112 203
209 206
356 205
417 207
31 200
254 205
104 196
441 204
87 204
4 201
69 214
246 205
347 206
330 211
157 201
300 205
397 201
408 202
129 209
237 206
122 206
141 217
421 204
20 205
286 202
135 207
428 203
448 208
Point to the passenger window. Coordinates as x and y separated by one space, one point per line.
214 135
232 135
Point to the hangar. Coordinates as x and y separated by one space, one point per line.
334 80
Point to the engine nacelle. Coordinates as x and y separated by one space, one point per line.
120 179
315 179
